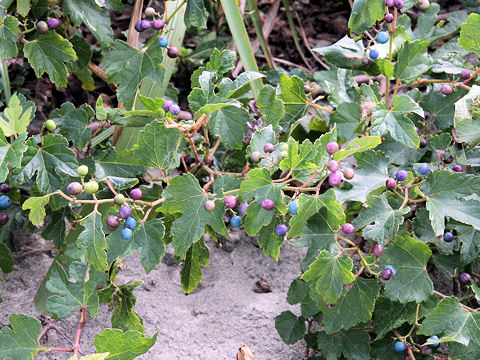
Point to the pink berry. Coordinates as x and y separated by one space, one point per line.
230 201
378 250
446 89
348 173
348 228
457 168
465 278
391 183
113 222
136 194
74 188
399 4
388 18
209 205
389 3
333 165
268 148
268 204
158 24
386 274
335 179
465 74
3 218
332 147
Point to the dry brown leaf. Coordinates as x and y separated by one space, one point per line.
244 353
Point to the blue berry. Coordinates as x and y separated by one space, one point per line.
434 338
373 54
293 207
281 230
130 223
163 42
138 26
399 346
126 233
391 267
5 202
448 236
424 169
383 37
174 109
236 221
401 175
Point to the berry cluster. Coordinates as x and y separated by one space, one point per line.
43 27
124 213
333 166
5 203
171 107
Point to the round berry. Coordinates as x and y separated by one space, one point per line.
174 109
209 205
332 147
446 89
335 179
172 52
348 173
124 212
242 209
448 237
399 346
138 26
42 27
394 271
281 230
74 188
423 142
166 105
126 233
163 42
293 207
91 187
401 175
391 183
50 125
145 24
268 204
255 157
158 24
113 222
383 37
348 228
82 170
465 74
386 274
53 23
399 4
425 350
3 218
5 188
268 148
465 278
434 338
283 155
5 202
389 3
136 194
130 223
388 18
457 168
373 54
378 250
424 169
230 201
150 12
236 221
423 4
119 199
333 165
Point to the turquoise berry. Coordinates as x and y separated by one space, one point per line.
424 169
130 223
434 338
236 221
399 346
293 207
383 37
5 202
373 54
163 42
126 233
394 271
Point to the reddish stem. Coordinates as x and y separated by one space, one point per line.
472 76
62 349
81 324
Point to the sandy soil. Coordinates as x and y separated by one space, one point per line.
211 323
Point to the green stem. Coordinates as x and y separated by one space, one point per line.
253 6
5 80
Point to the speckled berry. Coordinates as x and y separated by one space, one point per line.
136 194
386 274
230 201
42 27
166 105
465 278
446 89
53 23
172 52
332 147
4 188
119 199
389 3
145 24
242 209
150 12
113 222
335 179
333 165
91 187
209 205
74 188
255 157
174 109
457 168
391 183
465 74
158 24
399 4
388 18
268 148
124 212
348 228
378 250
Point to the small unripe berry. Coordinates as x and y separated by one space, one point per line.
378 250
209 205
268 148
119 199
3 218
50 125
464 278
53 23
255 157
423 4
74 188
401 175
386 274
268 204
145 24
281 230
113 222
42 27
465 74
335 179
457 168
174 109
332 147
91 187
172 52
130 223
399 4
136 194
333 165
82 170
348 228
126 233
5 188
391 183
158 24
242 209
388 18
150 12
446 89
373 54
230 201
236 221
425 350
124 212
163 42
348 173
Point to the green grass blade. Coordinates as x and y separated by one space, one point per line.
253 7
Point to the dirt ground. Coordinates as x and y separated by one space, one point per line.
211 323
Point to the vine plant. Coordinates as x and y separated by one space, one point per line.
378 179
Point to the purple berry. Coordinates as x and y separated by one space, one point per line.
166 105
464 278
446 89
401 175
391 183
386 274
172 52
457 168
348 173
268 148
388 18
332 147
136 194
174 109
417 130
333 165
158 24
425 350
145 24
448 237
389 3
124 212
268 204
113 222
74 188
138 26
423 142
209 205
5 188
281 230
242 209
230 201
465 74
348 228
53 23
399 4
378 250
4 219
335 179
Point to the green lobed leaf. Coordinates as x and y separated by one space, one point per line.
271 108
36 205
290 327
6 259
74 126
92 240
269 241
469 34
124 301
294 100
15 118
466 125
191 273
148 238
21 340
9 31
299 293
123 345
365 13
441 107
469 238
11 153
353 344
347 118
413 61
230 124
358 145
221 62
